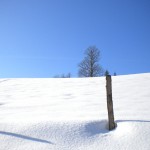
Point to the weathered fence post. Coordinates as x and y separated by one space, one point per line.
112 124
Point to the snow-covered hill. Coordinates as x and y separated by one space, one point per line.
71 114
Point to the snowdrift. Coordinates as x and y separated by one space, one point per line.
71 114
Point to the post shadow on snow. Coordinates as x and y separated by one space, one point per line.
25 137
132 121
96 127
101 127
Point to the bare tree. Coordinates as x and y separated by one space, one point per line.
115 74
63 75
106 72
89 66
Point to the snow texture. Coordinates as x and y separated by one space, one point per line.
71 114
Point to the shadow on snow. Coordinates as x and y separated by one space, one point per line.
96 127
25 137
132 121
101 127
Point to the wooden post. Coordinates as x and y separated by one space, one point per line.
112 124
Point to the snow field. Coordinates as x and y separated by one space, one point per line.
71 114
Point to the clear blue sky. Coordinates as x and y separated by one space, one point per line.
43 38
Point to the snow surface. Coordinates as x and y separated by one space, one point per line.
71 114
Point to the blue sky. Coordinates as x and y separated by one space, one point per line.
43 38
